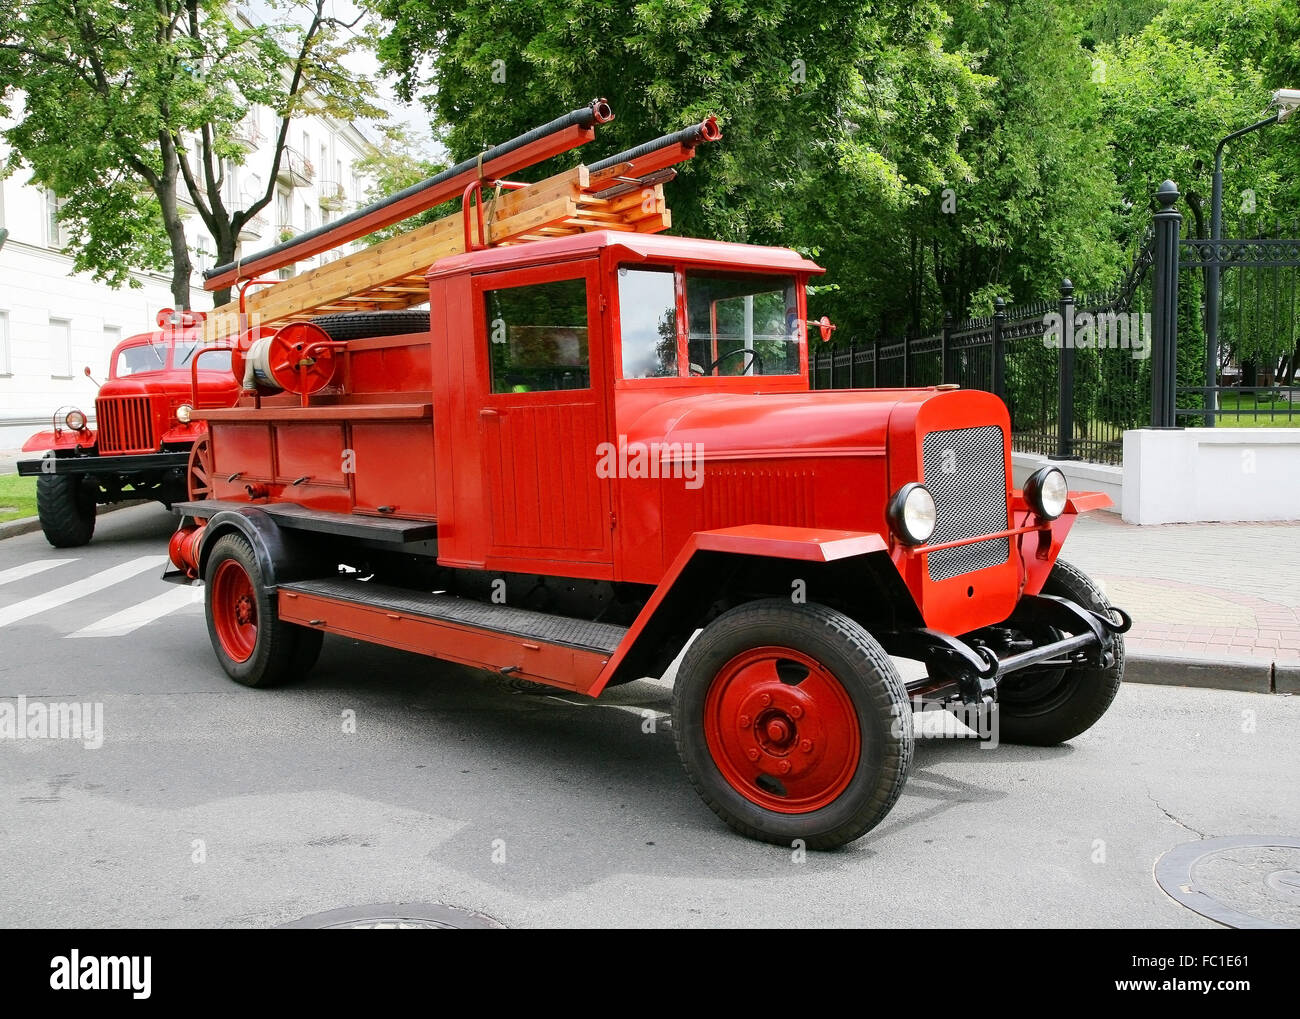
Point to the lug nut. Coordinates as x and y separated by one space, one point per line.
766 699
796 711
806 746
752 754
744 721
785 767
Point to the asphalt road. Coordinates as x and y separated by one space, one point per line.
212 805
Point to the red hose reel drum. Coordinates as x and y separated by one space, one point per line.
299 358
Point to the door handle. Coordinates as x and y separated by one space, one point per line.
488 412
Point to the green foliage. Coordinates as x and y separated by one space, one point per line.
121 107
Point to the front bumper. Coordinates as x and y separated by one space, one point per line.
975 666
118 465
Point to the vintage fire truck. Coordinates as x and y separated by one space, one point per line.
598 447
144 431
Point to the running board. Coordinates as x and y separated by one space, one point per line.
389 530
558 650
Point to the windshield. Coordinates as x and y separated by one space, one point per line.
147 357
152 357
737 324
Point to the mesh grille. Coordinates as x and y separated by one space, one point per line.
966 472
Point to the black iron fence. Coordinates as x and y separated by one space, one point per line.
1070 371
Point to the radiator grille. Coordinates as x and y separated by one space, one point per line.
966 472
125 425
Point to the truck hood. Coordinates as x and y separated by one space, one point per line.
740 425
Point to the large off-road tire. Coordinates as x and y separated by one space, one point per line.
66 508
1043 707
254 646
793 724
361 324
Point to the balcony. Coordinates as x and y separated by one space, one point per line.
247 135
332 195
254 228
296 170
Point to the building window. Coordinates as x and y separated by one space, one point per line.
60 348
56 234
6 362
284 219
308 218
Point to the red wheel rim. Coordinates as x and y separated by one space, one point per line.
234 610
782 730
200 470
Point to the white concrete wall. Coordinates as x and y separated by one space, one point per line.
1211 474
1081 477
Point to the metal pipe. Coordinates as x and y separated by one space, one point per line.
418 197
706 130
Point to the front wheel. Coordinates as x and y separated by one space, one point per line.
792 724
66 508
1043 707
254 646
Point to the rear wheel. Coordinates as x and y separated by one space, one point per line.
66 506
198 478
792 724
1042 707
253 645
356 325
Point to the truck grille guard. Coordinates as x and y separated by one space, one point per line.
976 669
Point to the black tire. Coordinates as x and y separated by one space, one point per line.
279 651
876 699
1047 707
361 324
66 507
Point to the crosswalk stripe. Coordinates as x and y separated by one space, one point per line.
31 569
122 623
79 589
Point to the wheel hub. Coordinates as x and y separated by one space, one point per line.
782 730
245 613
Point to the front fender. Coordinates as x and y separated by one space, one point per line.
60 439
188 434
848 569
1038 550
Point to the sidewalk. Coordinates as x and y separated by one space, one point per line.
1223 593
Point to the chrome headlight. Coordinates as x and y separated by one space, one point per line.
183 413
1046 492
75 420
911 513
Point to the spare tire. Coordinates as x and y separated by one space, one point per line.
356 325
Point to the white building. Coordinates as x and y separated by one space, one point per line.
54 323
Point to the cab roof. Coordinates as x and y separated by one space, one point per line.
631 247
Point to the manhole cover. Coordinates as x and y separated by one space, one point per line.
1238 881
397 916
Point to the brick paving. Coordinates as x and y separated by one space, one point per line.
1211 591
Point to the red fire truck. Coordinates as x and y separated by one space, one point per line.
598 448
144 430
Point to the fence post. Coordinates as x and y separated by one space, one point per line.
1065 381
875 363
1164 325
907 359
999 350
945 356
831 352
853 354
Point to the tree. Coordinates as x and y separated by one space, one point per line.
838 116
127 108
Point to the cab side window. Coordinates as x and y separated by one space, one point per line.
537 337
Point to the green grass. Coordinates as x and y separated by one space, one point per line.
17 497
1287 414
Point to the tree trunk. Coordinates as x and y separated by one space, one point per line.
167 193
226 241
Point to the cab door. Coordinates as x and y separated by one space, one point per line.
544 416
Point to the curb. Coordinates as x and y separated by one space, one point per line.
26 525
1251 675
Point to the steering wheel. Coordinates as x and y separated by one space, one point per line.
754 361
